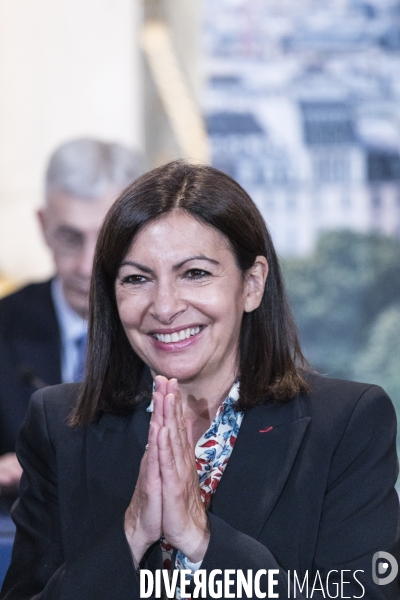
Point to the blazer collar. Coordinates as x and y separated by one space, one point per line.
266 447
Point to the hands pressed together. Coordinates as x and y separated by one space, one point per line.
167 501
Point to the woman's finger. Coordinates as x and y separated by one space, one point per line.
158 408
184 519
183 453
151 457
161 384
169 474
158 399
175 436
173 388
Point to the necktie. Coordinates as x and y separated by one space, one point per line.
80 345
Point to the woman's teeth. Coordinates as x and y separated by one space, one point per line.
177 336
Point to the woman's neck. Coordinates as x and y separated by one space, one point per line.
201 402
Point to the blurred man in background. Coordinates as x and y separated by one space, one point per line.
43 326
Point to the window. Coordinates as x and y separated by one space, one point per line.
331 169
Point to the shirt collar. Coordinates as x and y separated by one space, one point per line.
72 326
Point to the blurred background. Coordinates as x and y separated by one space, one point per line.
298 101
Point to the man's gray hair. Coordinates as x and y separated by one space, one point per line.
87 168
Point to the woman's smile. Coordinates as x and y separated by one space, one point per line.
175 339
181 299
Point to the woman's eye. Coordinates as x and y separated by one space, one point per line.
197 274
134 279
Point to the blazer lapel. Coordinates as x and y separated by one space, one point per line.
114 449
265 449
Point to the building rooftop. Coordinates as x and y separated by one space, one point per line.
233 123
327 123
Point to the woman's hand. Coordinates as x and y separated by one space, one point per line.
143 517
167 498
184 519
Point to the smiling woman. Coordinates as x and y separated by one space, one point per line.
181 298
196 243
199 440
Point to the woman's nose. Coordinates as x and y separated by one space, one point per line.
167 302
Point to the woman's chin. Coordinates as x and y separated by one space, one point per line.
180 372
181 376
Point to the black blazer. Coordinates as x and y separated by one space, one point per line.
30 354
314 493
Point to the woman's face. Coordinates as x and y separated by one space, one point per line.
181 298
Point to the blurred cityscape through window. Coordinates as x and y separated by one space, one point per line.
303 99
302 105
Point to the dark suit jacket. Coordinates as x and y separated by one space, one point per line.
29 355
314 493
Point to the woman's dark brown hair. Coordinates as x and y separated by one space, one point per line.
268 351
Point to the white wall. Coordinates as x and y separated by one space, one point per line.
68 68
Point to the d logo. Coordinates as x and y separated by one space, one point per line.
381 568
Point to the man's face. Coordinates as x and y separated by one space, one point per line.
71 226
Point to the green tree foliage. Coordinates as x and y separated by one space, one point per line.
339 292
346 301
379 361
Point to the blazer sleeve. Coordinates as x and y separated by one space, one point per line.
38 571
359 514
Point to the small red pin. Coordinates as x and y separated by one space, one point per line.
266 430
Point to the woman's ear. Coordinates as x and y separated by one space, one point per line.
255 277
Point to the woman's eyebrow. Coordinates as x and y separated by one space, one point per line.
131 263
196 257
